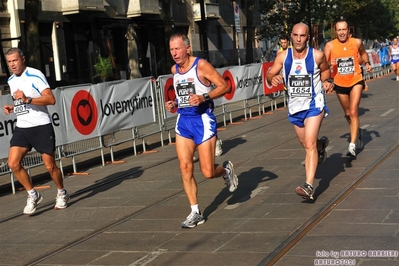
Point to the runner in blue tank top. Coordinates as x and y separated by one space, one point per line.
306 75
194 80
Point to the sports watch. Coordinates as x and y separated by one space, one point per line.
29 100
206 97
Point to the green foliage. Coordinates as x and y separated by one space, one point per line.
372 19
103 67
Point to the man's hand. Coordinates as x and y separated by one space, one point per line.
8 109
195 99
328 86
169 105
368 67
277 80
19 95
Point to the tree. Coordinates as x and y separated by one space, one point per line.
168 29
32 33
250 32
371 18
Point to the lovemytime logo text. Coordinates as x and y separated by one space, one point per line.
128 106
248 82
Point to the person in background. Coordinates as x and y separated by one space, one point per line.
31 94
344 53
284 41
394 55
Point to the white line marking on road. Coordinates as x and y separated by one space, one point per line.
148 258
388 112
255 192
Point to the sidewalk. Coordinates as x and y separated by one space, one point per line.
130 213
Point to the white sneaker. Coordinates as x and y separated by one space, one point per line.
232 180
193 220
351 151
61 201
32 203
218 149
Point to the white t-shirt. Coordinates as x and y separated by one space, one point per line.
32 82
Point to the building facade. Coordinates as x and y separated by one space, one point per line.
131 32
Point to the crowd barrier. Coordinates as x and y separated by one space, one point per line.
380 62
95 117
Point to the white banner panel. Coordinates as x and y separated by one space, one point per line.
103 108
126 105
57 117
7 125
245 82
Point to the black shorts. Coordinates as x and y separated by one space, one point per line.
42 138
347 90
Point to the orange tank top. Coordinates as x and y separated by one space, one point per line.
347 69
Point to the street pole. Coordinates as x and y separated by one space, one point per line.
237 26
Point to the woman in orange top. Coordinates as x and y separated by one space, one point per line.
343 55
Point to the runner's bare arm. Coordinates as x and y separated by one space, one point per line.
273 76
208 74
46 98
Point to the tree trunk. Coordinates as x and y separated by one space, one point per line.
250 33
167 20
32 33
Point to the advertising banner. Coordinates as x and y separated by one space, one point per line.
86 111
103 108
7 125
168 93
375 60
245 82
268 88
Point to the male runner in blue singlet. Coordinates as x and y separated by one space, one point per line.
306 74
196 124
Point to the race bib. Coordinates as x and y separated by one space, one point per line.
300 86
183 93
346 66
20 107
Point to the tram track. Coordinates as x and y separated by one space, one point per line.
142 210
272 258
291 241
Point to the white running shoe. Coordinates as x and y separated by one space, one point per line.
61 201
32 203
218 149
232 180
193 219
351 151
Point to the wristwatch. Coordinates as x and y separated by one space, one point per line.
206 97
29 100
